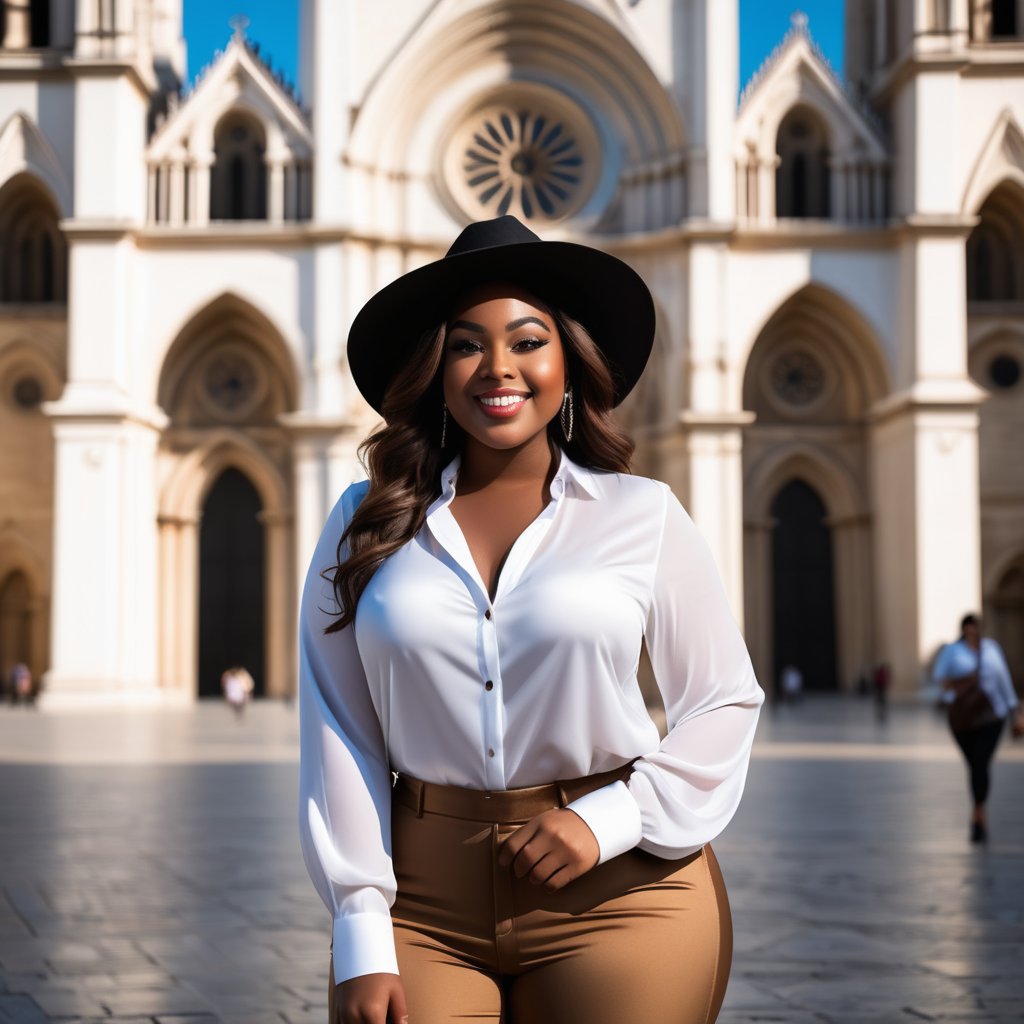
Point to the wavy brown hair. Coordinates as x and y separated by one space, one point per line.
404 458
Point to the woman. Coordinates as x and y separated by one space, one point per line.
963 668
472 620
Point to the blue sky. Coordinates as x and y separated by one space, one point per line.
274 25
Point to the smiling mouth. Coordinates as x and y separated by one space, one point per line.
502 401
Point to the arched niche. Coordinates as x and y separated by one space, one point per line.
33 252
812 374
995 248
238 178
557 60
802 178
226 380
1004 611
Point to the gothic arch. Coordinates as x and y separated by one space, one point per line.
185 490
995 248
458 53
33 252
25 150
802 178
226 379
799 460
1001 159
815 311
238 176
227 315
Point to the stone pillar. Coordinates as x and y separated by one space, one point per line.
757 605
924 459
281 606
837 184
714 445
18 35
199 193
178 608
853 597
766 200
275 191
103 636
176 193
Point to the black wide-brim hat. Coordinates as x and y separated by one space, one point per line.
607 296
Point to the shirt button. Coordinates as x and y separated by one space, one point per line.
487 614
488 685
490 751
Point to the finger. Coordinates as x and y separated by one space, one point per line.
515 842
559 879
399 1013
544 867
530 855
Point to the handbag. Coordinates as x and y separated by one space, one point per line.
971 708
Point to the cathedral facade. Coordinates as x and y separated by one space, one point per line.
835 393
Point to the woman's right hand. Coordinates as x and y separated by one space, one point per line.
370 999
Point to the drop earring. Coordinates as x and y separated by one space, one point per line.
566 415
444 423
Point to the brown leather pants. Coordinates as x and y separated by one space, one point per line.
637 939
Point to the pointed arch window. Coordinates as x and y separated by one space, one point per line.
802 177
995 249
238 185
39 23
33 253
1004 19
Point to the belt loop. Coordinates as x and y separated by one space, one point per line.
420 787
563 797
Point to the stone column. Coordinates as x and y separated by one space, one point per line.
766 199
757 605
176 190
714 446
275 191
199 193
103 637
281 605
18 35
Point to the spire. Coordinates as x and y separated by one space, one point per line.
239 23
799 20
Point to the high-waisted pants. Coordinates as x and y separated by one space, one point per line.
636 939
979 747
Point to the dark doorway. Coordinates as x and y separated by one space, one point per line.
231 572
804 625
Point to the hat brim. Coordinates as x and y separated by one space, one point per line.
606 295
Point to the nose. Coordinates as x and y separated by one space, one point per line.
495 363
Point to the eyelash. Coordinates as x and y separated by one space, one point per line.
467 345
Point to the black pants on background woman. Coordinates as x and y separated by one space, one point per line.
980 697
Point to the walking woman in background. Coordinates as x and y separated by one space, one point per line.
979 693
472 620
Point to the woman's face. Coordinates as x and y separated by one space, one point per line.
504 366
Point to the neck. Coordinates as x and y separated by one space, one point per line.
531 464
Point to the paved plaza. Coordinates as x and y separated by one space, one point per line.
151 872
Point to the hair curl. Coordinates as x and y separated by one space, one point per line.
404 458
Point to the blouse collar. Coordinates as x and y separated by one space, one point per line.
568 472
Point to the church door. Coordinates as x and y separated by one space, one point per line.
15 624
804 625
231 583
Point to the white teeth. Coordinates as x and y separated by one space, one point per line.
504 400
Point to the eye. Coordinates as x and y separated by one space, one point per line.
529 344
464 345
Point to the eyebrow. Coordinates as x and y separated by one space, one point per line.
512 325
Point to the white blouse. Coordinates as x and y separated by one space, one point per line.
959 659
436 680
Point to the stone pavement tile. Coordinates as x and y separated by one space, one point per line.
872 992
743 995
248 1017
68 1003
180 1000
19 1009
754 1016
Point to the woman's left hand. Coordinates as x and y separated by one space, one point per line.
552 849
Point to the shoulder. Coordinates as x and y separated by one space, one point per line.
629 487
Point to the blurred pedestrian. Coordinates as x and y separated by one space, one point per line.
237 685
791 683
980 698
21 684
880 680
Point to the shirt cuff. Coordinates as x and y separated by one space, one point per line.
363 944
613 816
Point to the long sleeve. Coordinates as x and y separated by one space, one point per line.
345 779
684 794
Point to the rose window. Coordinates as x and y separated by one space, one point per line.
534 156
232 385
797 377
